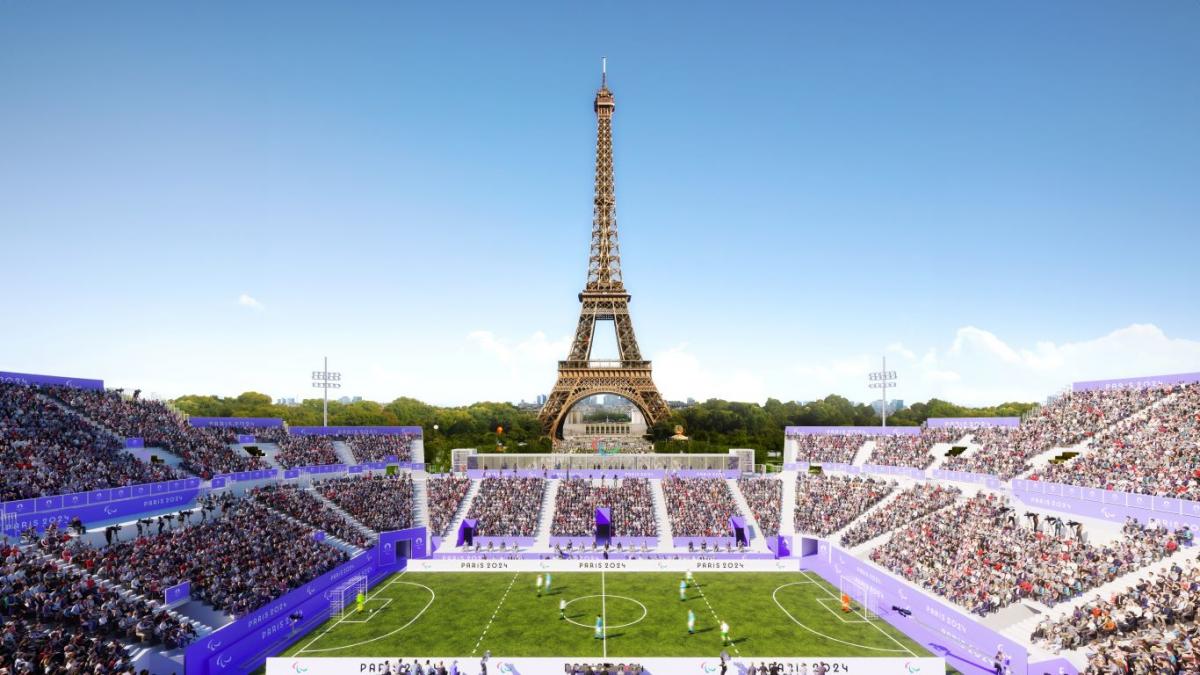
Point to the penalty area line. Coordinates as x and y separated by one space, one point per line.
335 625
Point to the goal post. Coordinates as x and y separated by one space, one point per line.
344 596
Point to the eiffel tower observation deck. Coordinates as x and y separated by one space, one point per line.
604 300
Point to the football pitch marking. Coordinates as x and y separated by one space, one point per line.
489 623
889 635
775 597
607 628
714 613
432 597
386 602
824 602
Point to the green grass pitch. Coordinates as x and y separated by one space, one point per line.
461 614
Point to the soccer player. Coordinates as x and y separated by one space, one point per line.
547 583
562 609
539 585
691 622
724 633
361 598
599 627
690 580
682 590
845 602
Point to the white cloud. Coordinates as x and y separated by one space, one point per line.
980 368
246 301
679 375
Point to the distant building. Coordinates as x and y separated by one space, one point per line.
290 402
346 400
895 405
541 400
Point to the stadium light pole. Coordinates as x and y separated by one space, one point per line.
883 379
323 379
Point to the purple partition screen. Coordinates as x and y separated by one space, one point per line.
1136 382
236 422
971 422
107 504
177 594
50 380
855 431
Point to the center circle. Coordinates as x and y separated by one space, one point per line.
608 628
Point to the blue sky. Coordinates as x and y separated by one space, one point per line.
1003 198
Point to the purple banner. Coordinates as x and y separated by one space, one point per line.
598 473
245 438
28 379
1137 382
236 422
61 509
852 431
289 474
177 594
134 443
940 627
218 483
1107 504
971 422
354 431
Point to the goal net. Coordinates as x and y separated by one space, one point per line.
343 597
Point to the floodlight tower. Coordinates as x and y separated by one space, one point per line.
883 379
323 379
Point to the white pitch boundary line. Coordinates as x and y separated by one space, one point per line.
603 616
498 606
432 597
824 602
714 613
386 602
378 590
819 633
889 635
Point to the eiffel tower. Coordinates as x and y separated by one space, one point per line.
604 298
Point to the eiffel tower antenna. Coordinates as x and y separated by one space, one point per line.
603 298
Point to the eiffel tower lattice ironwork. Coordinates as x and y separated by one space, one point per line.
604 298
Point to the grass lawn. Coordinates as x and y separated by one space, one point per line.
462 614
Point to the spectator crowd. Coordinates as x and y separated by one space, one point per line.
629 501
236 562
826 504
380 502
304 506
978 556
378 447
765 497
297 450
909 505
508 507
59 620
45 450
1157 455
837 448
200 453
1071 418
699 507
446 494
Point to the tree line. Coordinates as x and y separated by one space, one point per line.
712 426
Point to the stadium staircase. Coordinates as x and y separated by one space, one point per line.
420 481
542 541
173 460
939 451
464 508
152 658
1037 612
666 537
759 542
372 534
344 454
863 454
340 544
787 509
1039 461
270 454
